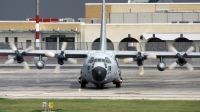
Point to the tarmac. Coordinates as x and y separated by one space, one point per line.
178 84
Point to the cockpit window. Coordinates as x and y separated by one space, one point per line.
91 60
107 60
99 60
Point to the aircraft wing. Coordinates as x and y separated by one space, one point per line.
68 53
132 54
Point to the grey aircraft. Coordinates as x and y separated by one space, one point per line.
101 66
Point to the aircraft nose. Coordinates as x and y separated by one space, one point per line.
99 73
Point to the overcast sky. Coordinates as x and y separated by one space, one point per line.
22 9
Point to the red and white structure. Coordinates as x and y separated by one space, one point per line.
37 33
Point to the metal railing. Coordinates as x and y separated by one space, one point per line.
119 46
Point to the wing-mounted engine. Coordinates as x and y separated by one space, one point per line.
19 57
40 64
60 57
181 58
161 66
139 59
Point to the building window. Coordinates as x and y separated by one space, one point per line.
6 39
15 39
28 43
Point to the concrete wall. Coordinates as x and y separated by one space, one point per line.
17 25
153 17
117 18
61 26
190 17
130 18
93 10
117 32
174 17
144 17
159 17
22 37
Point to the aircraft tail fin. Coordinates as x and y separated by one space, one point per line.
103 40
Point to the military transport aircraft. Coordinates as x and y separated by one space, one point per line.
100 66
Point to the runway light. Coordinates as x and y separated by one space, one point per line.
79 90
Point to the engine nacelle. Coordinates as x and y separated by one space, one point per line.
40 64
161 66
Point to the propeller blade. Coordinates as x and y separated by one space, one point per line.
71 60
127 60
172 66
30 48
138 47
141 70
189 67
190 49
64 45
151 56
173 49
57 69
50 54
12 46
26 66
10 61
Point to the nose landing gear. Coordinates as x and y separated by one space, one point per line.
99 86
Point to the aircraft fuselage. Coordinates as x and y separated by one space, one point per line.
100 68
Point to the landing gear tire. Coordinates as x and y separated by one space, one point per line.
97 86
83 84
101 86
118 85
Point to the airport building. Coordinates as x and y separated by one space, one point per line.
155 25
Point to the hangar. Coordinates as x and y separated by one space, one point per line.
155 25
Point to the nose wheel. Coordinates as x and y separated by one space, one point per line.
99 86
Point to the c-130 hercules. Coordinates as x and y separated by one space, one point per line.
100 66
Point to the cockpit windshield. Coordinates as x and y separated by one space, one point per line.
91 60
98 60
106 60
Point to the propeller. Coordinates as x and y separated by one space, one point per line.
19 57
181 58
60 57
139 59
141 70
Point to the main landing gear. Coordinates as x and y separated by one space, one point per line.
118 84
83 83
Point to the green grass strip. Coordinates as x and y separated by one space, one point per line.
90 105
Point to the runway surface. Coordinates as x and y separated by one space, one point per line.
155 85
